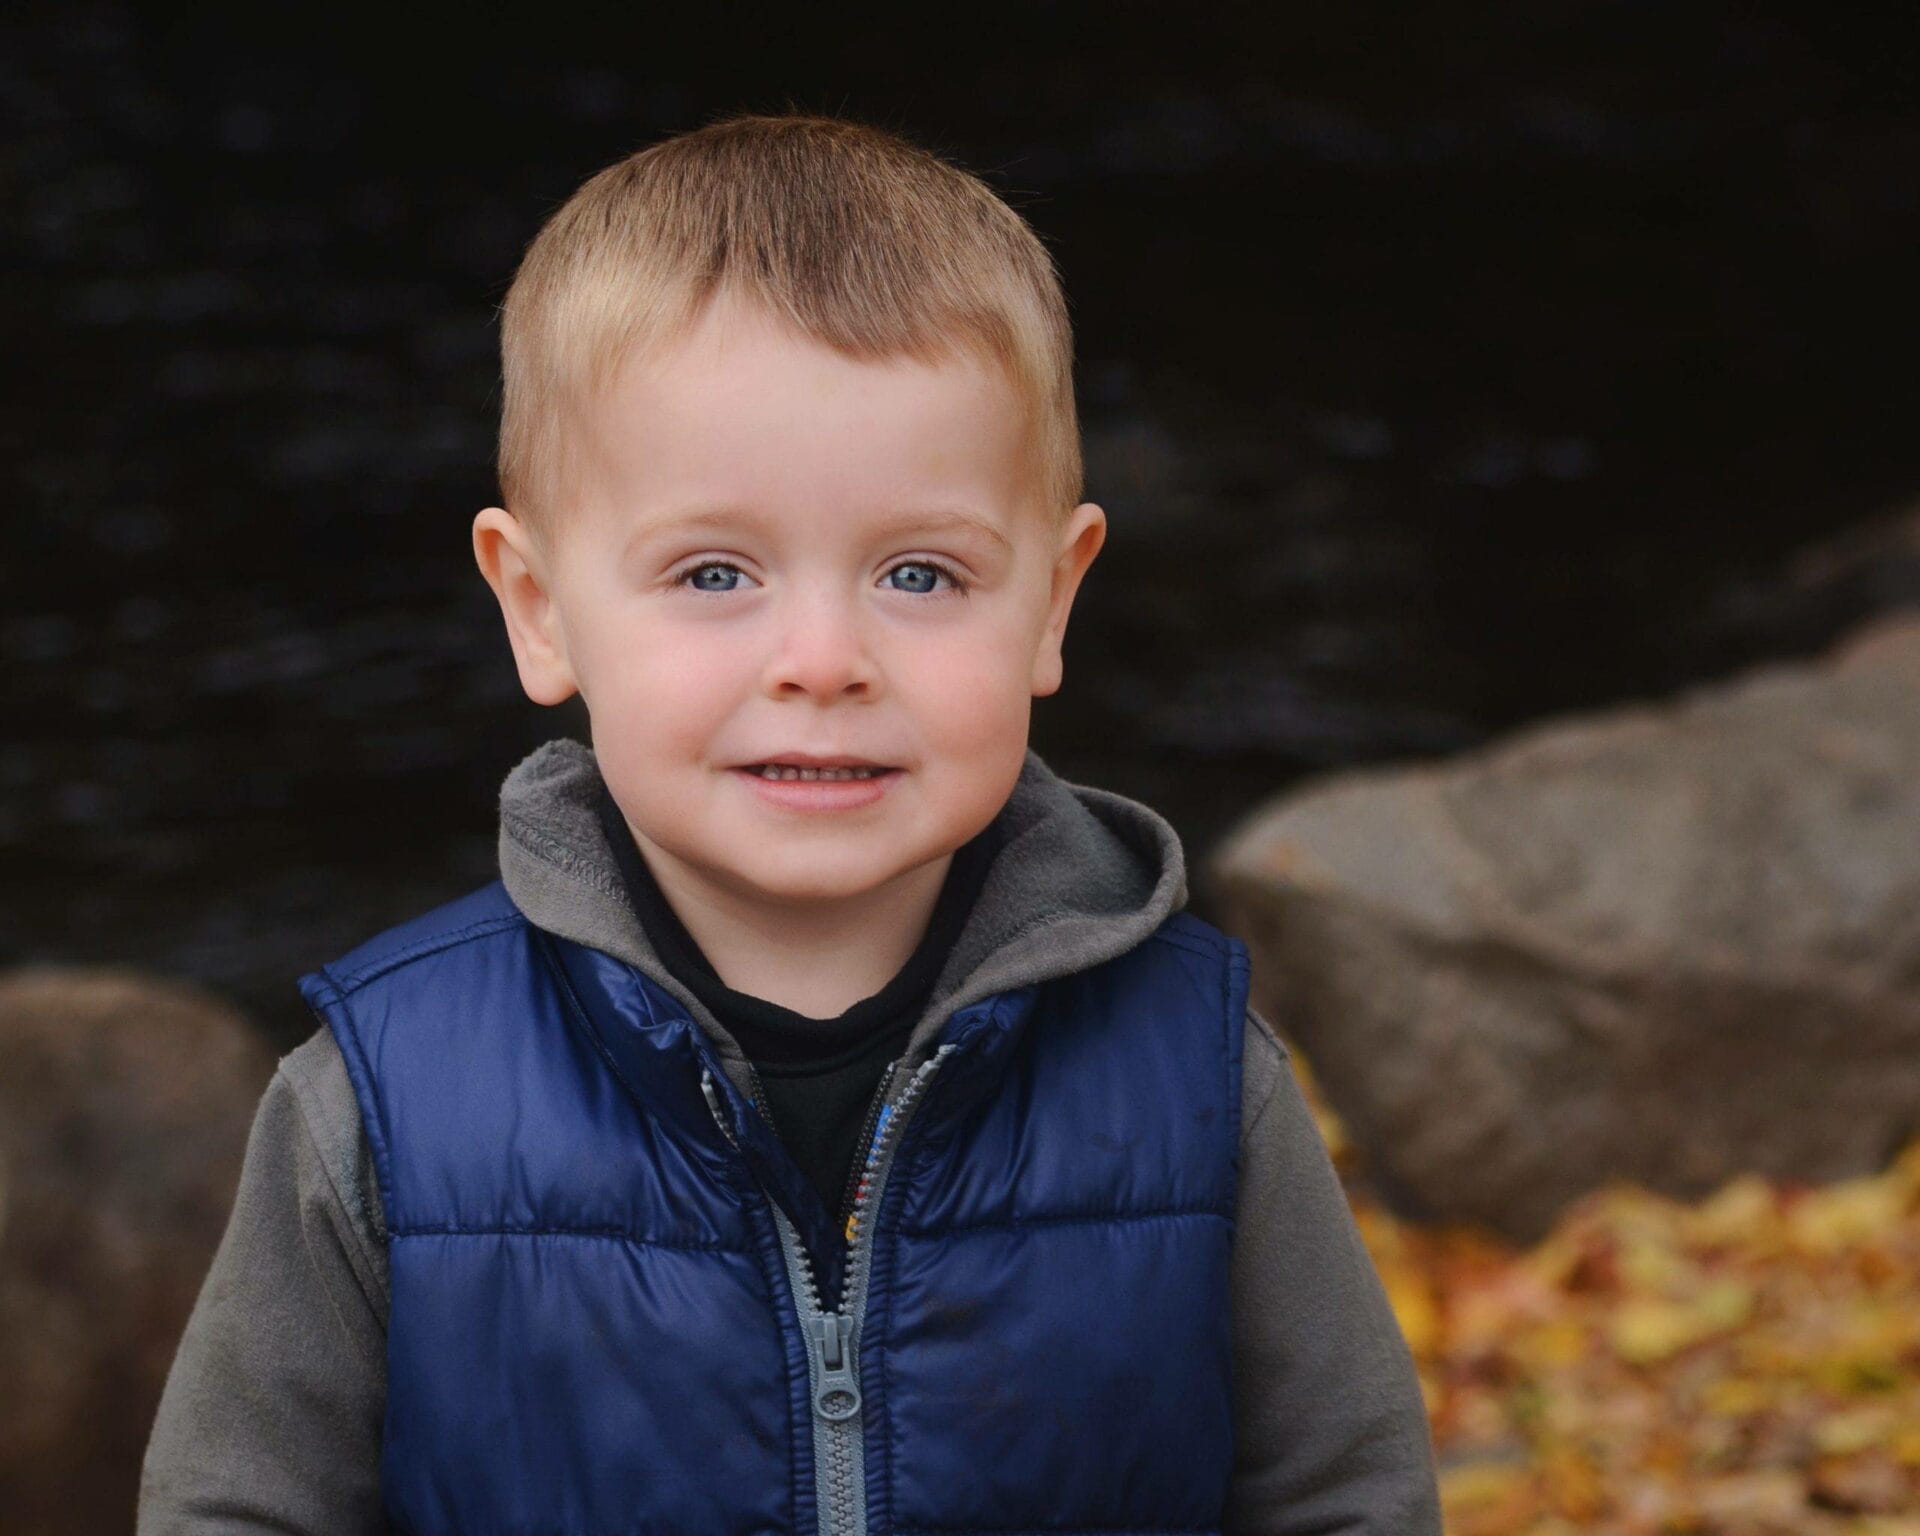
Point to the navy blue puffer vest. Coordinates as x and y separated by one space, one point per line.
605 1314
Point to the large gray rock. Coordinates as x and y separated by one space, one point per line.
124 1106
1666 944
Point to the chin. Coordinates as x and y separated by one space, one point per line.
804 880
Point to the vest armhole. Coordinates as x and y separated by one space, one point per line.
1233 1046
331 1007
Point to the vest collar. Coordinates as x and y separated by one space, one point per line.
659 1053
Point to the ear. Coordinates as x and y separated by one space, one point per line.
516 569
1080 541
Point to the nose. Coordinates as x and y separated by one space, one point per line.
822 645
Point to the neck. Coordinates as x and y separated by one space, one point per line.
815 957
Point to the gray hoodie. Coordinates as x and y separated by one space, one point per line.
271 1417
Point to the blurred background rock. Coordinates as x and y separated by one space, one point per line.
1671 943
124 1105
1443 370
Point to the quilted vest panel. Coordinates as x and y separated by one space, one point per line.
592 1328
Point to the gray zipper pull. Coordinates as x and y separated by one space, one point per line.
837 1393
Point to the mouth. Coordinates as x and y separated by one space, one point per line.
831 772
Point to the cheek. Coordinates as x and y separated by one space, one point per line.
658 693
974 693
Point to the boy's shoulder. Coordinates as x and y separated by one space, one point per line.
480 912
1184 945
1184 930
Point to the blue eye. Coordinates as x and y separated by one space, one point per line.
685 578
927 584
934 566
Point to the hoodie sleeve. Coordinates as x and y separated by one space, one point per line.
271 1416
1330 1429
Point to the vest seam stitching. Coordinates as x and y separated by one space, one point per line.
298 1089
1184 941
347 982
353 1056
607 1232
1105 1218
582 1018
1237 978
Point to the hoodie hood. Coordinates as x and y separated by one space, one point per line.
1081 875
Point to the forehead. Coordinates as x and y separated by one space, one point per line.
742 409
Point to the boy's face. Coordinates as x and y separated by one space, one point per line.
830 602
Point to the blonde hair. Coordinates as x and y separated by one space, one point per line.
861 240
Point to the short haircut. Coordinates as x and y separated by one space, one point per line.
859 238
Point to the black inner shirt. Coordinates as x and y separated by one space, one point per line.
818 1075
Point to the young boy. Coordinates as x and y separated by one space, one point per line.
829 1121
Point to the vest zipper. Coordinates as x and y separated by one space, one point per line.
833 1337
856 1175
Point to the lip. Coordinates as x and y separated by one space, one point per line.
810 760
819 794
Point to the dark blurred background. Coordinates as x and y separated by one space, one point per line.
1441 367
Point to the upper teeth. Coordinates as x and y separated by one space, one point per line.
782 771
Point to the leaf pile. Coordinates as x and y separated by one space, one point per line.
1745 1366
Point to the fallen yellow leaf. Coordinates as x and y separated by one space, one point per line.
1828 1219
1854 1429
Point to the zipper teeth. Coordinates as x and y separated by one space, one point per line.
809 1281
880 1143
838 1443
856 1175
809 1286
855 1284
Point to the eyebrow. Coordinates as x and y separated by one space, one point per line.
933 520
